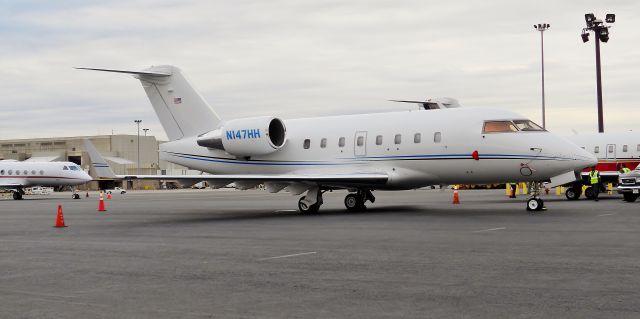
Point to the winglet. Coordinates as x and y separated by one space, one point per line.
103 170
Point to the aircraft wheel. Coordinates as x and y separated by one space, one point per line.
76 196
629 197
353 202
535 204
588 193
572 193
17 196
307 209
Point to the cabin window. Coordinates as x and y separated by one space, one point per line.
33 172
499 127
1 172
379 140
437 137
582 147
596 149
323 143
65 168
341 142
610 149
25 172
624 148
638 148
360 140
10 172
417 138
306 144
17 172
41 172
397 139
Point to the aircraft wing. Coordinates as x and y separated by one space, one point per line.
336 180
10 185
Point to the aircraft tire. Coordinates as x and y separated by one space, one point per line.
534 204
629 197
306 209
75 196
572 193
588 193
354 203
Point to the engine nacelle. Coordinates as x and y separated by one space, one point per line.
247 137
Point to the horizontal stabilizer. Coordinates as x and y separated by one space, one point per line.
127 72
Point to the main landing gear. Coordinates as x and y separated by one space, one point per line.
535 203
356 201
311 202
17 195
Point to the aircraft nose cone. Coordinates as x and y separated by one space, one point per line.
584 159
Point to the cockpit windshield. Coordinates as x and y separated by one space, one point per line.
507 126
74 168
499 127
527 125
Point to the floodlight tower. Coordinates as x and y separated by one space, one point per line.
601 32
542 27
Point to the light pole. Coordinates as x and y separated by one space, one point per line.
601 32
145 131
542 27
138 167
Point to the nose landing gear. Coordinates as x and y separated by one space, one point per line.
535 203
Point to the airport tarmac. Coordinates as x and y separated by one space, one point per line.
244 254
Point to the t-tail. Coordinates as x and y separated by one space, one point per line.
182 111
100 166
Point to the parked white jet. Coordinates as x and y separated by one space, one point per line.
15 176
391 151
613 150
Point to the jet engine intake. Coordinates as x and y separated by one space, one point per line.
247 136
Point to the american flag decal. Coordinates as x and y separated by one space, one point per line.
177 100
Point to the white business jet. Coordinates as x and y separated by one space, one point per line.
361 153
15 176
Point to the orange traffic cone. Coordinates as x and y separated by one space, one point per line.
60 218
101 207
456 197
108 195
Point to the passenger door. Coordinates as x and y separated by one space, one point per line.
611 151
360 143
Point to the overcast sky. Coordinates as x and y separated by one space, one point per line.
299 58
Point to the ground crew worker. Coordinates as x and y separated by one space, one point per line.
513 189
594 179
624 169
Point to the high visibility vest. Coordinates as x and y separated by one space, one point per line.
594 177
625 170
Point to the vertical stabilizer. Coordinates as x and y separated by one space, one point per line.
102 169
181 110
